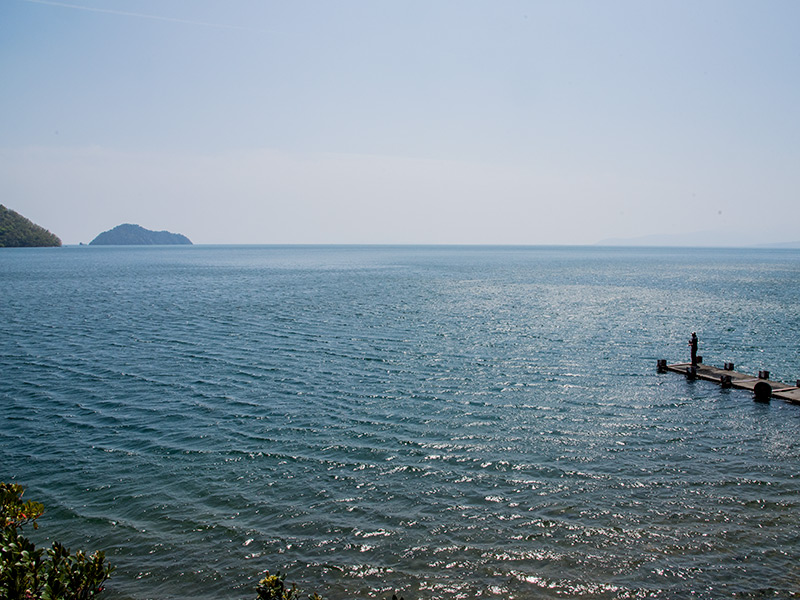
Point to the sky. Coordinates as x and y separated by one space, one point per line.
404 122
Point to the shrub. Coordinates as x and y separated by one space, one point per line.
273 587
28 573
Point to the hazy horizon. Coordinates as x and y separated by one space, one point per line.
521 123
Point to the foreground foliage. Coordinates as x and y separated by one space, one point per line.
28 573
273 587
16 231
32 574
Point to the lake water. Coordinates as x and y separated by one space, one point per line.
444 422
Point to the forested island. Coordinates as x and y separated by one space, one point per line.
18 232
135 235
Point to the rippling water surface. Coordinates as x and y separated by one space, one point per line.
442 422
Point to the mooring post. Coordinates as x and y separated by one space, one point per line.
726 381
763 374
728 366
661 365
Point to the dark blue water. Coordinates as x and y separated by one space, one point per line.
444 422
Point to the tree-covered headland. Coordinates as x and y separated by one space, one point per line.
18 232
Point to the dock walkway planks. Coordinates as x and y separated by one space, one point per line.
739 380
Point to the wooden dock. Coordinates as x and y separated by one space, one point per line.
762 387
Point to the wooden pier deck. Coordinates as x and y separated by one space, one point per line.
755 384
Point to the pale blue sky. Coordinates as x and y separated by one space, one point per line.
449 121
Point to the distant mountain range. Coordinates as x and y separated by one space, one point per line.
18 232
135 235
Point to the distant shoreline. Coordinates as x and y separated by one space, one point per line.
598 245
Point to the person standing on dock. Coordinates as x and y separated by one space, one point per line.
693 347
